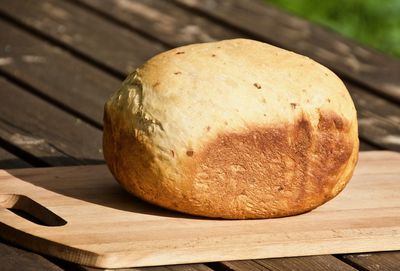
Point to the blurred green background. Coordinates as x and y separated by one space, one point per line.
373 23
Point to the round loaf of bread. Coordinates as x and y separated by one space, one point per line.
232 129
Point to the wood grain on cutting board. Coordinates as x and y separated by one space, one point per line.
101 225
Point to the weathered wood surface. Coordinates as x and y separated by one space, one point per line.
9 160
380 261
318 263
183 267
163 21
378 119
55 74
103 42
12 259
379 125
44 131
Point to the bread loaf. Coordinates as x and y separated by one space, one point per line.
232 129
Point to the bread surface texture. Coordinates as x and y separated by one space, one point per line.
232 129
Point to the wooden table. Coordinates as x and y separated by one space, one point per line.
60 60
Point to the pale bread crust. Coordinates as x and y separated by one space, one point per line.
233 129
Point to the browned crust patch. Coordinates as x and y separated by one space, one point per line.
273 171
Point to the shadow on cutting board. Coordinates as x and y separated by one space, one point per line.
93 184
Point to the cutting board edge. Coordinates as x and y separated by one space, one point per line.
170 256
124 260
48 247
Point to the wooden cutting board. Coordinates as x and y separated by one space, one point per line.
96 223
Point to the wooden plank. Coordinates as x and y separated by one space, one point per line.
12 258
192 267
382 261
102 41
162 20
378 119
8 160
158 268
364 146
363 65
317 263
359 219
45 131
182 267
385 261
55 74
243 265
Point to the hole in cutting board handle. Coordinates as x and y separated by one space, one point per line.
31 210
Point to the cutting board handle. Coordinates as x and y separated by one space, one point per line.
29 209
